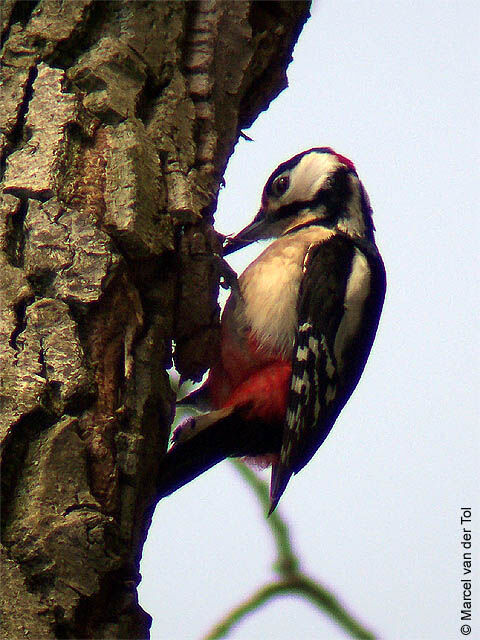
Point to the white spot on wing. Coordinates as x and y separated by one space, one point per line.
313 345
297 384
358 288
306 326
329 366
302 353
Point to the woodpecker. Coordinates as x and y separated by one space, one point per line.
296 331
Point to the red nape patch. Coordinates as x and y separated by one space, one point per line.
267 390
348 163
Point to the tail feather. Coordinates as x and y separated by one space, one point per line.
233 435
280 478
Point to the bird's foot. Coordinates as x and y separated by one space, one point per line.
228 277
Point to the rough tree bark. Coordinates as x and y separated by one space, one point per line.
117 121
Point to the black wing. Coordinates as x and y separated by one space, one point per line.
340 300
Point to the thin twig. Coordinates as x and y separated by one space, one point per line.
295 584
287 560
259 598
292 580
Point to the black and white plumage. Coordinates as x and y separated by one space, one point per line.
297 334
340 300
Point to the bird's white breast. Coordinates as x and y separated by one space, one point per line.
270 287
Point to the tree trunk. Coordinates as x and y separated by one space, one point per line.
117 120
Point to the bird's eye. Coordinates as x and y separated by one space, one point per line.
280 185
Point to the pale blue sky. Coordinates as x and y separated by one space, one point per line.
394 86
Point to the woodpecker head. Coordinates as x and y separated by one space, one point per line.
318 187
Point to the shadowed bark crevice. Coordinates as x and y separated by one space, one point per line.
14 234
98 16
20 313
21 12
19 134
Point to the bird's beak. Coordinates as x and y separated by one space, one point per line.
251 233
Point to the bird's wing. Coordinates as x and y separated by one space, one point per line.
339 305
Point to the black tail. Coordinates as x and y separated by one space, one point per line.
280 478
231 436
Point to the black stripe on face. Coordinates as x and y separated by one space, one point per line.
334 196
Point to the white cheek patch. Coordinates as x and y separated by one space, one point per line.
307 178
